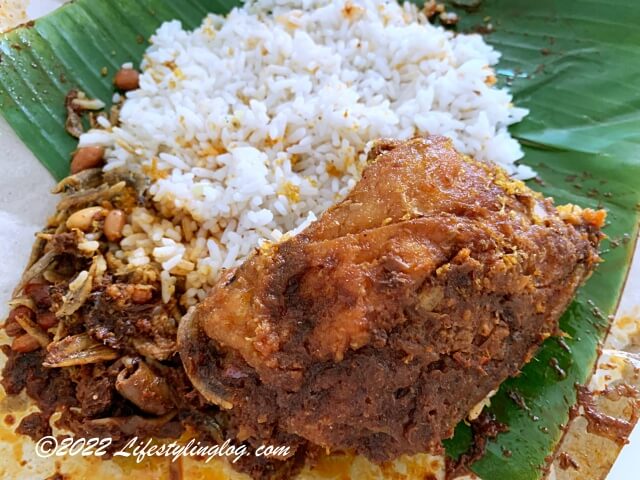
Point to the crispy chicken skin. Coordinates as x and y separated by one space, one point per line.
381 325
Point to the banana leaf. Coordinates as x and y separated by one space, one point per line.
574 64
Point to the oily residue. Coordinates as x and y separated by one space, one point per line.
555 364
563 344
175 470
468 6
483 429
621 390
595 310
622 240
57 476
565 461
603 425
518 399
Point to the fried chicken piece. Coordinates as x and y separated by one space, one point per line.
381 325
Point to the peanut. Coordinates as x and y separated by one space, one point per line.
24 343
113 225
82 219
11 326
86 157
126 79
47 320
39 292
20 310
141 294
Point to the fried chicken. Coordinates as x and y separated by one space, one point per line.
381 325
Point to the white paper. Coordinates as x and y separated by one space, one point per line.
25 204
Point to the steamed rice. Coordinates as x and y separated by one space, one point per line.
251 125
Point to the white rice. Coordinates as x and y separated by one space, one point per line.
253 124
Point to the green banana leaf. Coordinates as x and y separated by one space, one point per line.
575 65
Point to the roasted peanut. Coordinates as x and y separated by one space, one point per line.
113 225
40 293
13 328
86 157
24 343
141 294
20 310
47 320
82 219
126 79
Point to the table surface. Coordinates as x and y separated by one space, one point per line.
26 201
